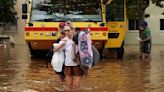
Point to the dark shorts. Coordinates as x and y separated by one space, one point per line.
73 71
146 47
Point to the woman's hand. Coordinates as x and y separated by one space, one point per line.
56 48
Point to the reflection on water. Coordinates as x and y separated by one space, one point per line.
13 65
20 73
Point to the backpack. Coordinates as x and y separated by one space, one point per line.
96 55
88 57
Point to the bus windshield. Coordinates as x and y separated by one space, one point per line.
115 10
66 10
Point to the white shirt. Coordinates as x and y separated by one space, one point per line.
69 50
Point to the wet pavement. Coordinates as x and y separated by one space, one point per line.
21 73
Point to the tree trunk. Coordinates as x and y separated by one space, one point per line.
140 21
143 4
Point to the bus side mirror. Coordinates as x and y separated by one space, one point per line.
24 8
24 11
24 16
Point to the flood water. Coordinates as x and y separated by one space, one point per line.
21 73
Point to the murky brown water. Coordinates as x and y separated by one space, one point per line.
20 73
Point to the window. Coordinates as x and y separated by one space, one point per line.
66 10
161 24
133 24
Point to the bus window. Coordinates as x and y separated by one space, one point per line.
115 11
66 10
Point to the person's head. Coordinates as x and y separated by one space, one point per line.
61 25
77 30
144 25
68 31
68 23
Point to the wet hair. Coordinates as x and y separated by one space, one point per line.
62 32
67 28
77 29
144 24
68 23
75 38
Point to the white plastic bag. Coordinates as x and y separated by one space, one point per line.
57 60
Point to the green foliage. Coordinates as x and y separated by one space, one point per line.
136 8
132 9
158 3
8 14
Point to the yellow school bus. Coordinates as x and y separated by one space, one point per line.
106 20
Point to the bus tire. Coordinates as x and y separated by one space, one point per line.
32 52
37 53
101 50
120 52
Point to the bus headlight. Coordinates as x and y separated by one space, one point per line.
104 34
41 34
97 34
47 34
35 34
27 34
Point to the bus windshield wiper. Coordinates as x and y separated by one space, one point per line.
45 20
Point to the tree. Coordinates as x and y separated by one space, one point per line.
8 14
136 9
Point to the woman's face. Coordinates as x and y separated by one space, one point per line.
69 33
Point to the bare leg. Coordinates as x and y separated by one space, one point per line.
142 56
147 57
77 82
61 78
69 81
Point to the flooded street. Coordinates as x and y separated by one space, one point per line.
21 73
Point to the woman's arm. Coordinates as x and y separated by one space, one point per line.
146 39
60 45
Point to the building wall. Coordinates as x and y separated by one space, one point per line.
154 25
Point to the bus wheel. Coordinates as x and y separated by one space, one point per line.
37 53
32 52
120 52
101 50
